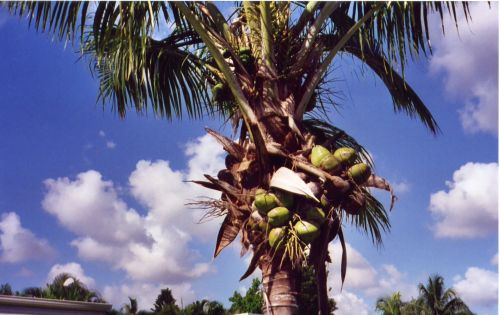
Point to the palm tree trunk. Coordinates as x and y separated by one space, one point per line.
280 288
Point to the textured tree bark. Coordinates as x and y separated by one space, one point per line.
280 288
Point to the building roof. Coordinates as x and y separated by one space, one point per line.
39 303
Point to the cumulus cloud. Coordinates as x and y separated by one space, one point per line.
146 294
90 206
469 209
362 276
469 61
156 245
350 304
73 269
110 145
478 287
19 244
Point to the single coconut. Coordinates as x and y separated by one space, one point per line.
279 216
330 163
359 173
306 231
265 202
277 237
316 215
318 153
345 155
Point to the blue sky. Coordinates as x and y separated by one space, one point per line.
85 192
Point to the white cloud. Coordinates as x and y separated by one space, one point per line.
90 206
469 209
350 304
470 63
146 294
73 269
110 145
102 133
156 246
19 244
479 287
362 276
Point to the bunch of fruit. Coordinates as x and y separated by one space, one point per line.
342 158
282 214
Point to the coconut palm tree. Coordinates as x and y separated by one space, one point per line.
441 301
266 67
67 287
390 305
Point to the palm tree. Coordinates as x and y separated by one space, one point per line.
132 308
391 305
267 70
66 287
441 301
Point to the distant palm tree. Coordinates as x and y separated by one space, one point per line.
131 309
391 305
441 301
66 287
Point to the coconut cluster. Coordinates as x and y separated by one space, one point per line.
342 157
283 215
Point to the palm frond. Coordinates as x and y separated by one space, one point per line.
404 98
59 18
157 74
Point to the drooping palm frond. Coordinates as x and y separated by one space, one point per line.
135 71
60 18
388 35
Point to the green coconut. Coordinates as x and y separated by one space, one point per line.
359 173
285 199
316 215
265 202
306 231
279 216
277 237
330 163
345 155
318 153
